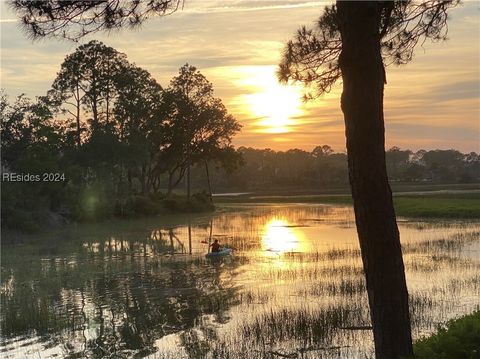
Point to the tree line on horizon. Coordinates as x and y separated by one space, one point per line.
323 168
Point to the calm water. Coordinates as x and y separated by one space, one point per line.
293 287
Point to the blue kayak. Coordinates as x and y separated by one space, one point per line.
222 253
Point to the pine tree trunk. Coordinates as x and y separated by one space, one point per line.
362 104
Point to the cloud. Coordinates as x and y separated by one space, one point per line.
249 5
461 90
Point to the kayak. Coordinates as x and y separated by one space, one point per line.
222 253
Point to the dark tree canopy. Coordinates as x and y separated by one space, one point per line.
313 56
198 126
74 19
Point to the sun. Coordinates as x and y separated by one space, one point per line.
274 106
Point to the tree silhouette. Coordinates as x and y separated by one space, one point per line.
75 19
353 40
322 151
124 104
139 116
312 57
87 77
197 127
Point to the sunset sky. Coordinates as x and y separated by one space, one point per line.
433 102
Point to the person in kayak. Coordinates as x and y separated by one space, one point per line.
215 246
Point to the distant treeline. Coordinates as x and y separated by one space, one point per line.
265 169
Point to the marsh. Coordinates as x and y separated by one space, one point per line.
294 286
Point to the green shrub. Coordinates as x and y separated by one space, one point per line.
157 196
20 220
459 339
143 205
95 202
199 202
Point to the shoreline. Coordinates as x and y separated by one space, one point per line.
422 206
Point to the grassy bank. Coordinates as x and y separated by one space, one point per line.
439 206
459 339
344 189
425 205
97 209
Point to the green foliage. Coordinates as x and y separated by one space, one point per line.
458 339
198 203
94 203
142 205
19 219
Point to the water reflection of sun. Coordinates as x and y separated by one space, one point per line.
279 237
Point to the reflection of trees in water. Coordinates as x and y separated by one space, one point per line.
116 297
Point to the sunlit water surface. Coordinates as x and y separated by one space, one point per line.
294 286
